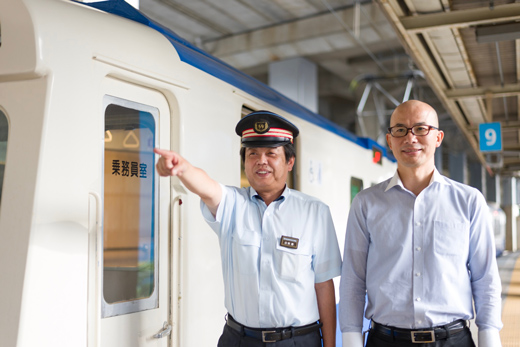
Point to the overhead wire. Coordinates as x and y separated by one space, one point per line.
346 27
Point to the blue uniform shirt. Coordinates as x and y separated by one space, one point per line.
421 259
266 284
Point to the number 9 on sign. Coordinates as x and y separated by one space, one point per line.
490 137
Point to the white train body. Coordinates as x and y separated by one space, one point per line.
62 64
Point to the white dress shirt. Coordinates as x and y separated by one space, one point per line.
420 259
267 284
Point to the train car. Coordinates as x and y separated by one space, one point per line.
96 249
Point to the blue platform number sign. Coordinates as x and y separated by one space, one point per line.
490 137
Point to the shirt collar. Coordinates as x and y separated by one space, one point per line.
253 195
396 180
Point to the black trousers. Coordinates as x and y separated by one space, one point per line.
462 339
232 338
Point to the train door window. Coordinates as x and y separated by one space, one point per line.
129 222
4 129
291 178
356 185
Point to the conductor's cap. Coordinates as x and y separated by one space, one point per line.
265 129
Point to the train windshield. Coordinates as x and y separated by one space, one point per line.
4 129
129 236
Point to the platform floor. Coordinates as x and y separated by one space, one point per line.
509 267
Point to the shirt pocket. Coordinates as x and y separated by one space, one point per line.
246 252
451 238
291 263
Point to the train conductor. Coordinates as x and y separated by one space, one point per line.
278 246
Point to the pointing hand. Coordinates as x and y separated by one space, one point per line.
170 163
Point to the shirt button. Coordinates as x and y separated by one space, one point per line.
419 321
418 299
417 248
417 274
418 224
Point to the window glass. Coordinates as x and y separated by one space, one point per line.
4 129
356 185
129 235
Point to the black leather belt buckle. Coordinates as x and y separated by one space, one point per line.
265 338
425 336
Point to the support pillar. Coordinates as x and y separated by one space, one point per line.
296 78
458 167
493 188
510 207
477 177
438 159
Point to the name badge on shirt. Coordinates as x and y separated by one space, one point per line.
289 242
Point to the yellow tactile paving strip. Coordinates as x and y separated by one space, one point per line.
510 333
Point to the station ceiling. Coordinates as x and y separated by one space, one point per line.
460 56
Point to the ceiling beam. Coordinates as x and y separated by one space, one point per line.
461 18
483 92
508 125
324 33
512 161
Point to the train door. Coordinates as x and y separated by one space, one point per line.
133 277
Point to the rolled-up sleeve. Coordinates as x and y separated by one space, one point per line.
327 262
215 221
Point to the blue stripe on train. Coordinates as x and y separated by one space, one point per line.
200 59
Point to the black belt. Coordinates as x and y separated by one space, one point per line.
421 335
274 334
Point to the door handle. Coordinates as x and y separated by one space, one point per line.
165 331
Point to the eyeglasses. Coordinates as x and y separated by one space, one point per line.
417 130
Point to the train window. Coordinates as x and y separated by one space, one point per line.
356 185
129 223
4 129
243 179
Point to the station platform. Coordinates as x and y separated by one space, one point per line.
509 267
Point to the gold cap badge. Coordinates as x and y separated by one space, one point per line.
261 127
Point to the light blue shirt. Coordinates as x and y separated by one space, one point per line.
421 259
268 285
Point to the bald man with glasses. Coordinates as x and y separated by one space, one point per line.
421 247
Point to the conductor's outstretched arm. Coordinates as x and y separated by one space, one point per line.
195 179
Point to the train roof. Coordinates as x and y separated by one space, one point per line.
202 60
